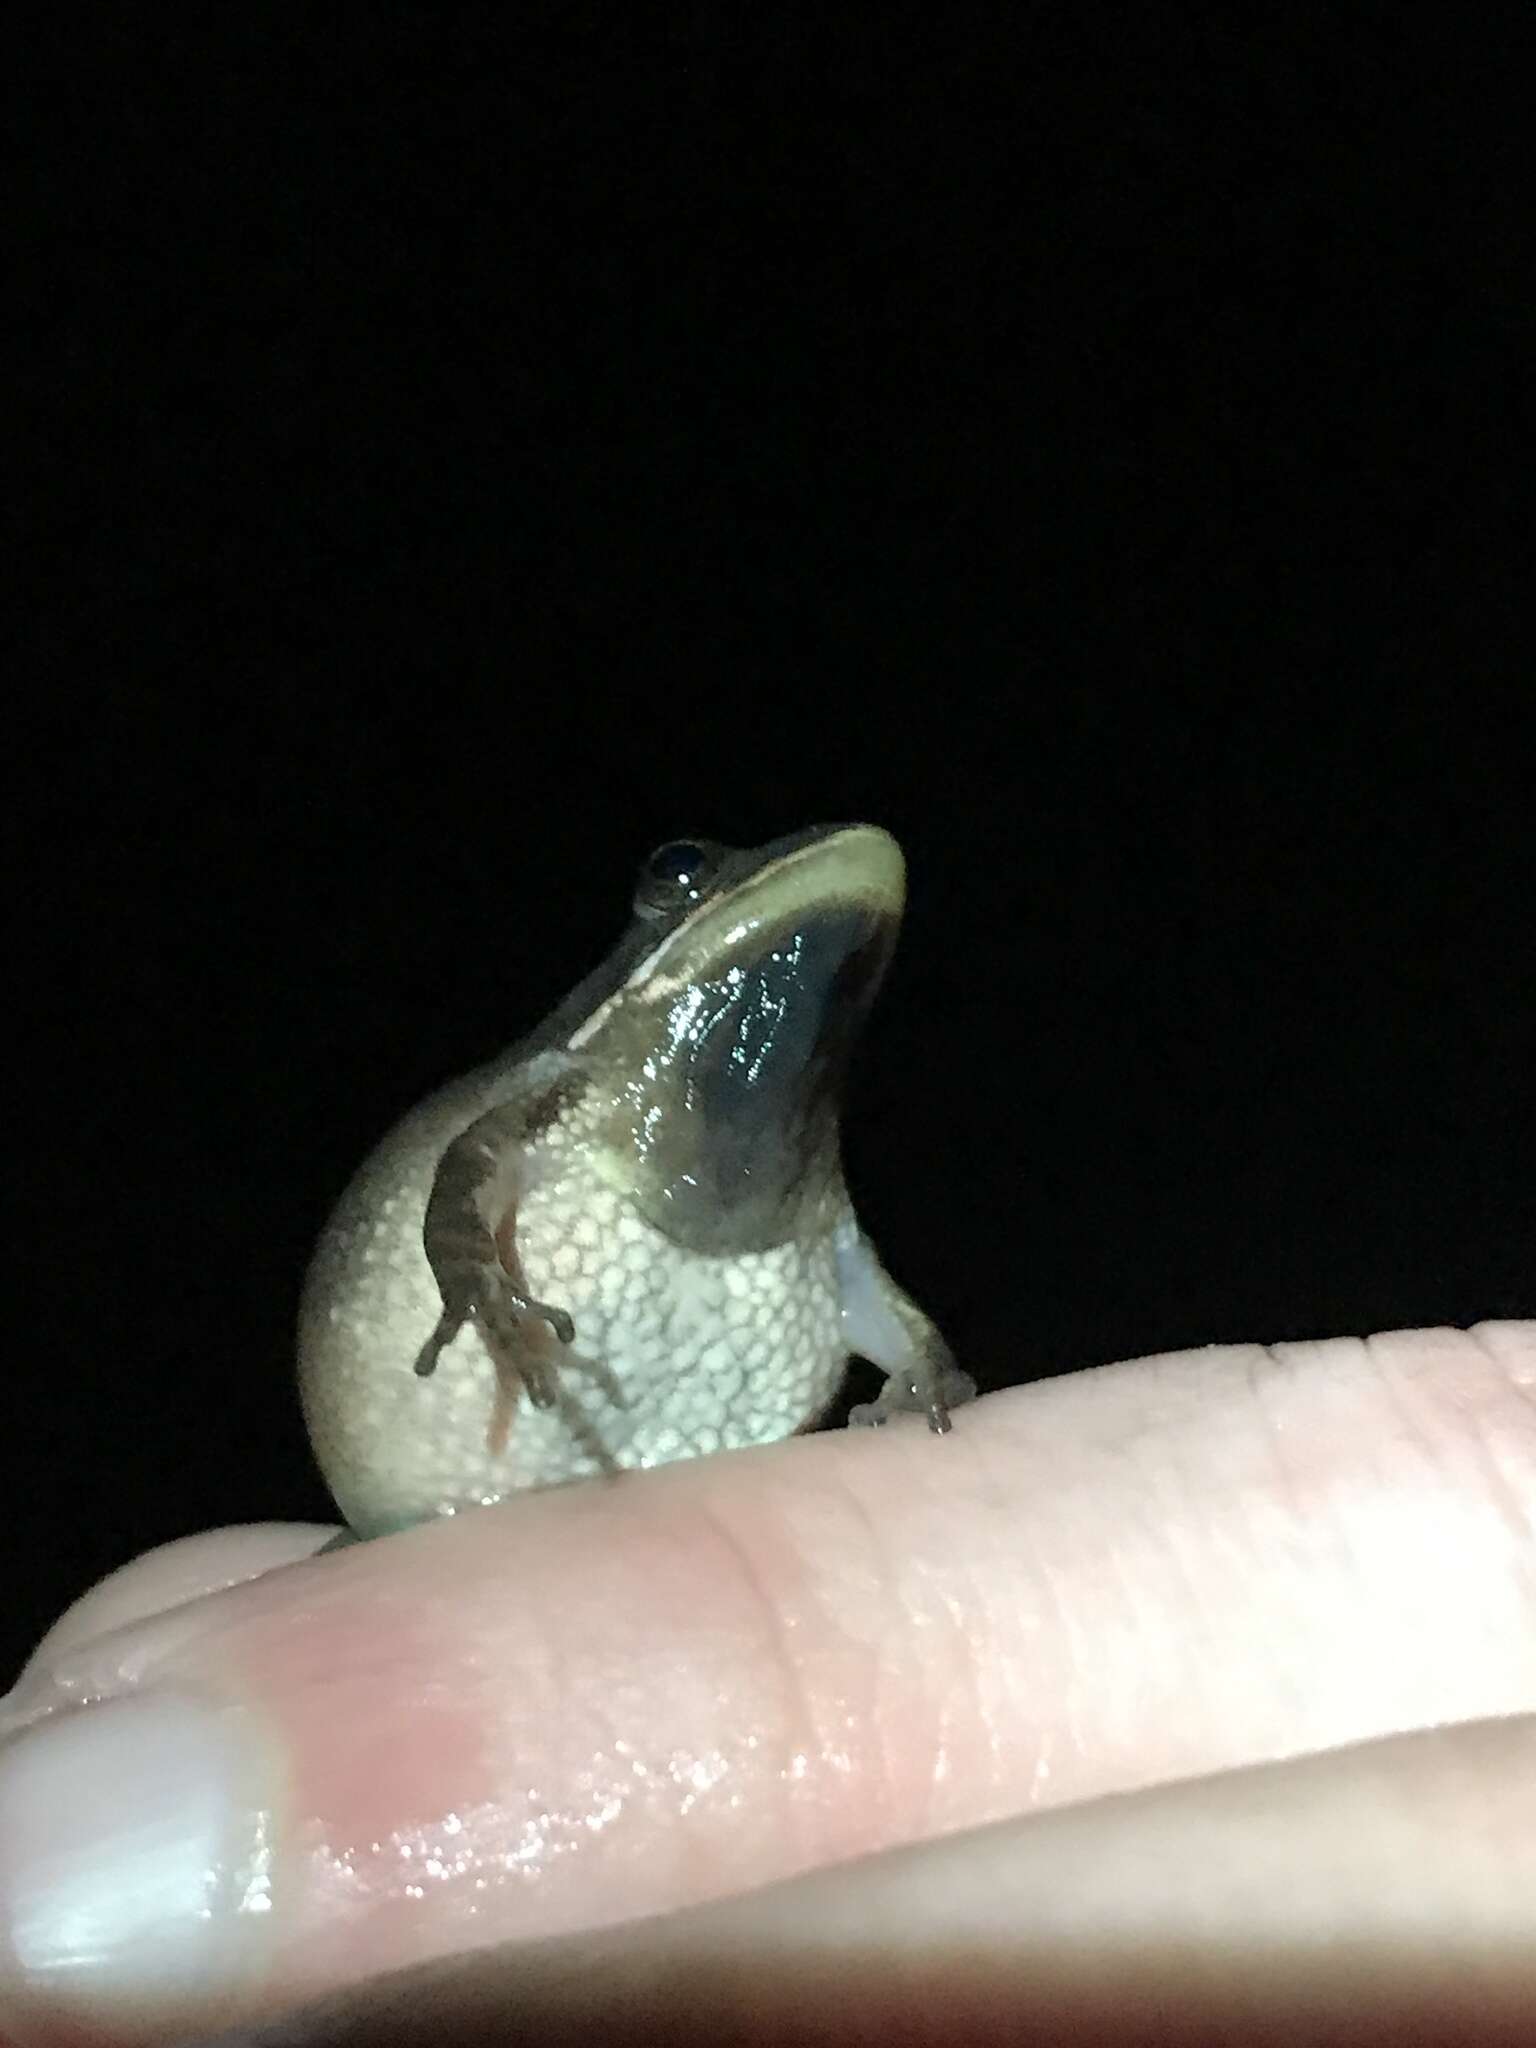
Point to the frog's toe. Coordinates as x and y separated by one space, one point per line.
869 1415
932 1390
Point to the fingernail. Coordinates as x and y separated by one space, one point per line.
135 1842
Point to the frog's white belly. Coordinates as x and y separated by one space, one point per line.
712 1352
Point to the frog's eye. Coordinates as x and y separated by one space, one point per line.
675 864
674 874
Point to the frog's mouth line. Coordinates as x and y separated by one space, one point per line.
858 865
817 873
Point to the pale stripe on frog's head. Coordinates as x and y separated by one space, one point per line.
750 887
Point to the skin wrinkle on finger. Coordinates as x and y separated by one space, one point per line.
1502 1343
1399 1371
1270 1368
1502 1470
1505 1472
834 1710
1440 1435
1512 1348
861 1630
1400 1515
940 1633
804 1738
592 1702
1127 1528
1190 1540
1296 1523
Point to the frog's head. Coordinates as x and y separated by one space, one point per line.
741 990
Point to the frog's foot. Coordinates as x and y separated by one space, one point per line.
529 1343
931 1386
887 1327
583 1426
536 1366
517 1330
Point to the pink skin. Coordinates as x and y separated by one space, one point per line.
626 1697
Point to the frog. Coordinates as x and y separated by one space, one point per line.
628 1240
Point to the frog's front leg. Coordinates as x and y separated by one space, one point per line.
469 1234
885 1325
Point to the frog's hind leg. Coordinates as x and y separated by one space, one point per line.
469 1234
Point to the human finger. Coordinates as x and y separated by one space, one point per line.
609 1700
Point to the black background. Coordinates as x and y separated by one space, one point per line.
463 448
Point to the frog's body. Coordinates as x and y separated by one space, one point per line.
628 1240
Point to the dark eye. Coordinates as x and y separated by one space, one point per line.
677 862
674 874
